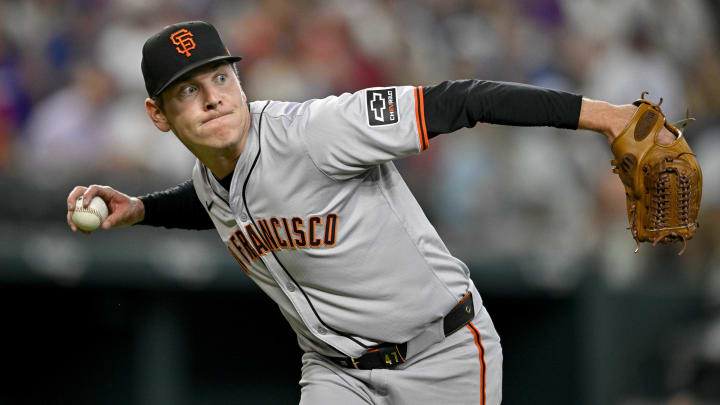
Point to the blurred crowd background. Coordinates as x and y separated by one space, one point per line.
535 212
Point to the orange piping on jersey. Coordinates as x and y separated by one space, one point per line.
417 120
481 349
422 118
237 259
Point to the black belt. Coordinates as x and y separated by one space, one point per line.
389 355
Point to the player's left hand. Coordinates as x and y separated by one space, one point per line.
618 120
610 120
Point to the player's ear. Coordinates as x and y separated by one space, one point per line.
242 95
156 115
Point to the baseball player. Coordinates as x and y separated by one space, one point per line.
307 200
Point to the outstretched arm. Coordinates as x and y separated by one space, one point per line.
610 120
456 104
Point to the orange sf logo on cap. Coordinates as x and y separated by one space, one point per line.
183 38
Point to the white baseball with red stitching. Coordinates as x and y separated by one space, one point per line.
90 218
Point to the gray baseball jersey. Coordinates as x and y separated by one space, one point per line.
319 217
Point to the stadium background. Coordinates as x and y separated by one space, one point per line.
150 316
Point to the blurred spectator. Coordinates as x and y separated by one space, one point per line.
622 71
14 101
135 147
66 132
118 49
704 88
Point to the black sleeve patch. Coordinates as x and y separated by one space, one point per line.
382 107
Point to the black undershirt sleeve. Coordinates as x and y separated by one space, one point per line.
456 104
176 207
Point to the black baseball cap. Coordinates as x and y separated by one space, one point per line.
178 49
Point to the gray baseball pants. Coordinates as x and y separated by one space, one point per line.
465 368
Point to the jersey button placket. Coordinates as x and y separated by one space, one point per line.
301 306
243 217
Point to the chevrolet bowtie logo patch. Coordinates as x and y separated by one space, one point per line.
183 38
382 107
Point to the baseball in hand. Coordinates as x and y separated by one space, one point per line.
90 218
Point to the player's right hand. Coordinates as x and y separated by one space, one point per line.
124 210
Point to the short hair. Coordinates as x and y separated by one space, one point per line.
159 100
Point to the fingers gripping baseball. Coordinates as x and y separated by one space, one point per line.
124 210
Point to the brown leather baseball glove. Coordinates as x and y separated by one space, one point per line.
663 183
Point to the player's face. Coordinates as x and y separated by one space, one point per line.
207 110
